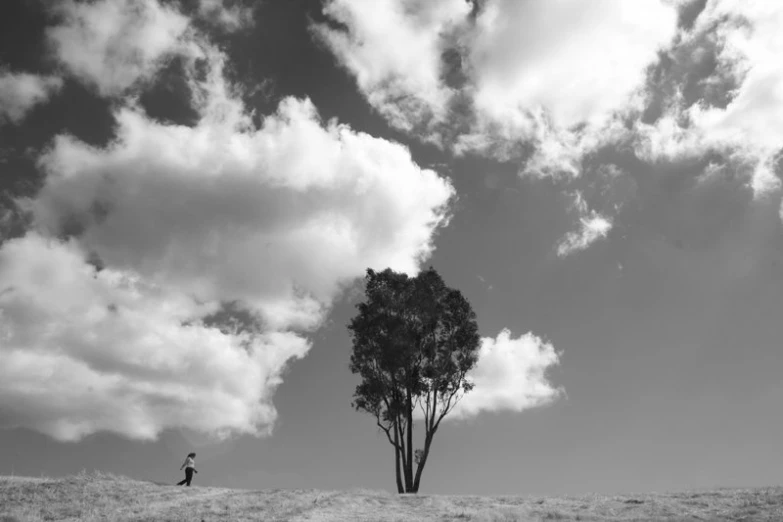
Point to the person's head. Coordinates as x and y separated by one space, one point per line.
192 455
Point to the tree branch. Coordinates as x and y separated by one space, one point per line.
387 431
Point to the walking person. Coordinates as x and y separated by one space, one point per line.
190 469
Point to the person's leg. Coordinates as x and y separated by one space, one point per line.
181 482
189 475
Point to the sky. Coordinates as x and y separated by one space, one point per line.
192 190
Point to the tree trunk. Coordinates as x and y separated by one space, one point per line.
409 448
403 453
423 460
397 473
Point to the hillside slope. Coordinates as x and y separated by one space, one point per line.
92 497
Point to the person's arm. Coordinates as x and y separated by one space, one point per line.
183 465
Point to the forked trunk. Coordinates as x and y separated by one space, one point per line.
422 461
409 445
397 472
406 471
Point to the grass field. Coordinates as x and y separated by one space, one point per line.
96 496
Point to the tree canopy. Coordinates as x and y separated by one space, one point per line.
414 342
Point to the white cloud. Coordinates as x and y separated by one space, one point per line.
593 228
230 17
549 83
113 44
511 374
557 152
745 40
393 48
85 351
554 74
558 74
227 213
275 219
20 92
592 225
579 62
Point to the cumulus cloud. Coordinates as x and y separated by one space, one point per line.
550 85
394 49
542 84
113 305
86 350
113 44
554 74
510 375
20 92
169 277
737 107
230 213
578 62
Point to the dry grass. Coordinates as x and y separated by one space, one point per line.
92 497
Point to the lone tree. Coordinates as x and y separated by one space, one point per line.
414 341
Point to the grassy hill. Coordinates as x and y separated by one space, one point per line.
93 497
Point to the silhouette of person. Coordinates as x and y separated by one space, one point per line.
190 469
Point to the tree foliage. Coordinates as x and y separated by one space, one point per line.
414 342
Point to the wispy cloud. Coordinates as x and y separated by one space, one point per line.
593 228
114 44
229 15
726 88
394 50
20 92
